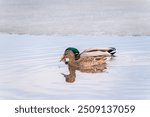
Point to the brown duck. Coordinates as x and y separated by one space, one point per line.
88 58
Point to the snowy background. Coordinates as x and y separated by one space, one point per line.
77 17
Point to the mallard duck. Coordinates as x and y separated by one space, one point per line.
88 58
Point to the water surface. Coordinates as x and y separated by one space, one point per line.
30 68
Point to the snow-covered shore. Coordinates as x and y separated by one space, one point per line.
77 17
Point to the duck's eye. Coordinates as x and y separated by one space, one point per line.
66 52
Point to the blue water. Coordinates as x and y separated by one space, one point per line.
30 68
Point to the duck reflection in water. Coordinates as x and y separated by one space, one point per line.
70 78
91 60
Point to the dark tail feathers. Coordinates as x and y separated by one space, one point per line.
112 50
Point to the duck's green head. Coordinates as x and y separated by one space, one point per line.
75 51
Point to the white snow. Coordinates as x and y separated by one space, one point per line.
77 17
